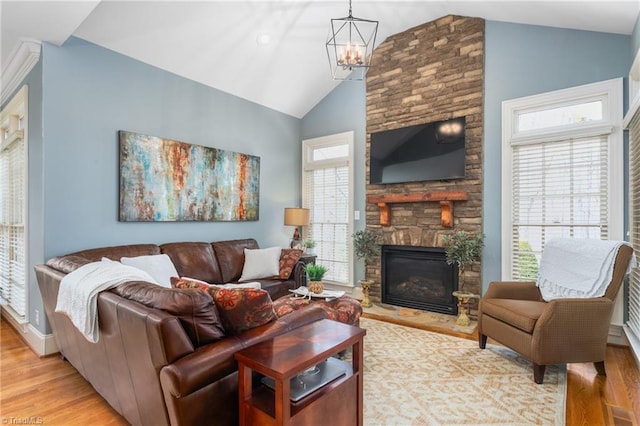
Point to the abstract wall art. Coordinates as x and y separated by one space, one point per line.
163 180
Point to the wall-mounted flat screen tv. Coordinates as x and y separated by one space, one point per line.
424 152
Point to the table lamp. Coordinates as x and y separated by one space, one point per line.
298 217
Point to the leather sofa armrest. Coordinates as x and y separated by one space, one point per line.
216 360
196 370
518 290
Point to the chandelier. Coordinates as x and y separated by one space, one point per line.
350 46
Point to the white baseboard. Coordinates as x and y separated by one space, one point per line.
617 336
41 344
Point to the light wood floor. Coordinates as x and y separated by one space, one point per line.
49 391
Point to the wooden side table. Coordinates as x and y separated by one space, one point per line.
284 357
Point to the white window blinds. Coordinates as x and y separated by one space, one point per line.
12 208
326 195
559 190
634 201
327 185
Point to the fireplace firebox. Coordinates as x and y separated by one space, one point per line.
418 277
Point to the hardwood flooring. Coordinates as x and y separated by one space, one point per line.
47 391
50 391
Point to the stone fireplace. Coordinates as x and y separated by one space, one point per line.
418 277
428 73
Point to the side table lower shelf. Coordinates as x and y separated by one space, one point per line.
335 398
282 358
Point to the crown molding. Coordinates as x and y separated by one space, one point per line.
21 62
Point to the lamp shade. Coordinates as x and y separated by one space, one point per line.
296 216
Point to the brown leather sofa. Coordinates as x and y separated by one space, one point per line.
163 366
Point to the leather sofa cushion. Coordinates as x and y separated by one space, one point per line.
230 256
68 263
73 261
194 259
117 252
195 309
522 314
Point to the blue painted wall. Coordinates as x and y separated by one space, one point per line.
522 60
90 93
635 39
343 110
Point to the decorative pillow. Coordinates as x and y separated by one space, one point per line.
288 259
261 263
159 266
254 285
242 309
184 282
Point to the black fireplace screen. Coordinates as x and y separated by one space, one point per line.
419 277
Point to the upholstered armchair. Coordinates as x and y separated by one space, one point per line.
556 332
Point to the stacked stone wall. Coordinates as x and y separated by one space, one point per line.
429 73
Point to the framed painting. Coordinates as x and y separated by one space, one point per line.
163 180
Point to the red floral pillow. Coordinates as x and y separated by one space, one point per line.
288 259
177 282
242 308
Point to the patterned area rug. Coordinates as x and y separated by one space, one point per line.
417 377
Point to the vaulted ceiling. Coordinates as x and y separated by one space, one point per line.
216 42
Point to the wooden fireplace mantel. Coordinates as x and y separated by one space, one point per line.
445 198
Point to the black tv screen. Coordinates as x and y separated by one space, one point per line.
424 152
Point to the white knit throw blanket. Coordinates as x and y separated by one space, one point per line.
78 293
577 267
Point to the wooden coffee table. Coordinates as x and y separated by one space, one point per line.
287 355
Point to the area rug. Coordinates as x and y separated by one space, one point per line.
417 318
417 377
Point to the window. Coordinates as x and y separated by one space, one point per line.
633 321
13 149
562 171
327 191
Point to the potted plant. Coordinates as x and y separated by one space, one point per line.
309 244
315 273
366 245
462 248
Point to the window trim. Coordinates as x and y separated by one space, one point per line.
610 92
308 145
18 106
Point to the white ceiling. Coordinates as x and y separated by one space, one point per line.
215 42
